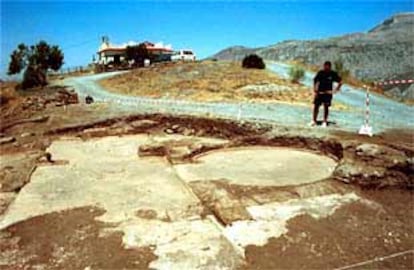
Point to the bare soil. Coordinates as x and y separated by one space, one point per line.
355 233
69 239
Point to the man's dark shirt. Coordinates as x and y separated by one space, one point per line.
326 79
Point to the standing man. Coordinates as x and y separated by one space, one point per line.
323 90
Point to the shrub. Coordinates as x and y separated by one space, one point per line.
7 92
296 74
253 61
339 67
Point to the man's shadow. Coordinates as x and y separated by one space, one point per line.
330 123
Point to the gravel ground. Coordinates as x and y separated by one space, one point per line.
385 113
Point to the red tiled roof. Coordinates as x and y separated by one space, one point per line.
159 49
148 48
112 49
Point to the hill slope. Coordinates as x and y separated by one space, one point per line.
385 52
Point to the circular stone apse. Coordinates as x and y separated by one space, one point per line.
259 166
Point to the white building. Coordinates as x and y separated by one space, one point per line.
116 54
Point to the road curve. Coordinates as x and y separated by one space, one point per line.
386 114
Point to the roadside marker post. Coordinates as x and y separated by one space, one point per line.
394 82
366 129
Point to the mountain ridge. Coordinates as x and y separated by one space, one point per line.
389 44
384 52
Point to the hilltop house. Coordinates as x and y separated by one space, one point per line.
115 54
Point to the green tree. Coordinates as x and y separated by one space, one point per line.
35 61
342 71
138 53
296 74
130 53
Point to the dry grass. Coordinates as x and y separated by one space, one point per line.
206 81
8 93
10 99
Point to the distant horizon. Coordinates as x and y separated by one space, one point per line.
206 27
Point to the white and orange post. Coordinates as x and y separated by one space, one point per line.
366 129
239 112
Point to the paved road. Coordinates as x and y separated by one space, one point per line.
386 113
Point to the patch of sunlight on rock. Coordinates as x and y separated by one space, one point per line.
270 220
184 244
108 173
261 166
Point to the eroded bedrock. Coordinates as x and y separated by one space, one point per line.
261 166
150 201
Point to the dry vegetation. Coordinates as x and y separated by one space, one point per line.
9 96
351 80
7 92
208 81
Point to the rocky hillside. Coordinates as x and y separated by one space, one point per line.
385 52
234 53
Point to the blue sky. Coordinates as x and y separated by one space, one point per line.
206 27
